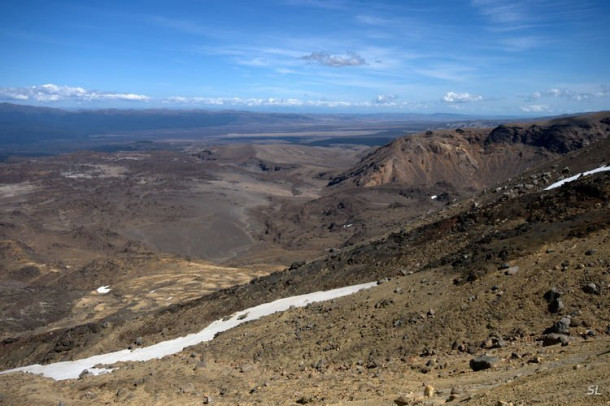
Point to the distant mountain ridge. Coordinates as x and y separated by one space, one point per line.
20 124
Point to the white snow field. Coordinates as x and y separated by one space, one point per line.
573 178
72 369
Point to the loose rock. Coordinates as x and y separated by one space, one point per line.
556 305
483 362
404 400
560 327
553 339
591 288
552 294
512 270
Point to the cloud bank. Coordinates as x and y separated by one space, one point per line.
51 93
56 93
257 102
536 108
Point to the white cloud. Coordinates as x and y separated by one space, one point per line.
326 59
452 97
536 108
55 93
119 96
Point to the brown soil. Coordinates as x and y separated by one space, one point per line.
465 280
473 159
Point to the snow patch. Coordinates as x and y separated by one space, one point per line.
103 289
573 178
72 369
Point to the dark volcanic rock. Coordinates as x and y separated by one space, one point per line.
483 362
553 339
551 295
560 327
591 288
556 305
297 264
557 138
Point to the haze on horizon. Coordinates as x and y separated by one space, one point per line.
486 57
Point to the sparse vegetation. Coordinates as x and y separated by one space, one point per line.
495 291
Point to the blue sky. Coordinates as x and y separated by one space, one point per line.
486 57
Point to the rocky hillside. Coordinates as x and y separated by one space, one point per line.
395 183
473 159
496 299
502 297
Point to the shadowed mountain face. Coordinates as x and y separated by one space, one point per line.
473 159
559 136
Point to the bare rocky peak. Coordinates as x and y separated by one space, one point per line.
473 159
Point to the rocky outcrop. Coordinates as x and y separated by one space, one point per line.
473 159
561 138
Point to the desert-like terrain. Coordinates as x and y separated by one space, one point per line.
491 289
75 222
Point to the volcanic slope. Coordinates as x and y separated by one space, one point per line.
397 182
481 277
473 159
